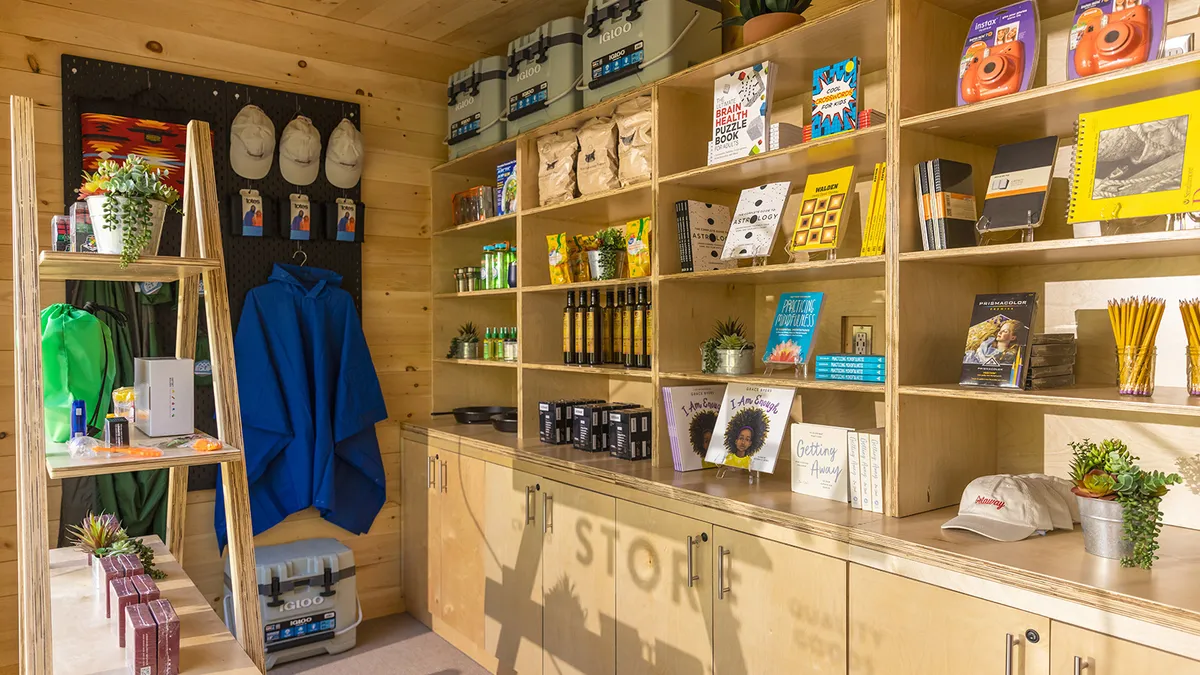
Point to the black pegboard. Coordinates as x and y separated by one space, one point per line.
91 85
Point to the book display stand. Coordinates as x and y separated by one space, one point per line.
800 368
981 228
731 472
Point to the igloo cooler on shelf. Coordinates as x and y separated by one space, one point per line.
307 597
630 43
475 105
543 74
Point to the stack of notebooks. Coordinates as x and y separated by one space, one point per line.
838 463
851 367
945 204
691 417
1051 361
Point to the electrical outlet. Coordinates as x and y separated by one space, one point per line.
861 339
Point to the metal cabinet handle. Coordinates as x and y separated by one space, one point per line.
1080 665
429 473
444 477
547 510
722 589
692 542
1010 641
529 515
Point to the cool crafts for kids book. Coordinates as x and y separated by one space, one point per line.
750 427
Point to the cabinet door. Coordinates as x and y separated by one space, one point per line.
461 480
664 614
904 627
1106 655
420 528
578 556
778 608
513 565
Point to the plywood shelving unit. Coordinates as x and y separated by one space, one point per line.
939 435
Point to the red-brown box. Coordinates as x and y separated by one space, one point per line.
121 596
131 564
168 636
146 589
104 571
141 654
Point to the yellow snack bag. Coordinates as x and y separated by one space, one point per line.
560 258
580 269
637 246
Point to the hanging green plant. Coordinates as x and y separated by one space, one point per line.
130 190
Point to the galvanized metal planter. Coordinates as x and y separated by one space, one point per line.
1103 527
735 361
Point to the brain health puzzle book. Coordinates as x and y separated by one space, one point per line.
741 113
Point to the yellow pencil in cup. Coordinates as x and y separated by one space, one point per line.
1190 309
1135 323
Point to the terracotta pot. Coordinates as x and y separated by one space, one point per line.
764 26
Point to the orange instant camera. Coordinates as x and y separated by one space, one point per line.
1124 41
997 74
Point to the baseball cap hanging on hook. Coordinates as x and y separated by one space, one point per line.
251 143
344 156
300 152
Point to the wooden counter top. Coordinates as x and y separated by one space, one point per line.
1054 565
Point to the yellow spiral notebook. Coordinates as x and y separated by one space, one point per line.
1137 160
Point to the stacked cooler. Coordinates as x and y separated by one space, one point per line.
475 103
543 74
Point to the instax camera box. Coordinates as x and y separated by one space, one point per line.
164 388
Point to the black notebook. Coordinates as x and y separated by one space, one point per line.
954 200
1020 183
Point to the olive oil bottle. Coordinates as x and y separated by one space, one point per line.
639 329
568 329
627 329
648 317
581 332
595 322
606 322
618 339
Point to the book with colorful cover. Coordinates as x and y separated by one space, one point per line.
1108 35
997 348
850 378
825 207
702 228
741 113
750 427
1137 160
793 328
691 416
820 465
875 224
851 370
835 98
756 221
851 359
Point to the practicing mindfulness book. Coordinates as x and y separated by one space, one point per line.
793 328
750 427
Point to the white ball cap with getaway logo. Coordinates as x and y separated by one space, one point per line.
251 143
1002 507
300 152
344 156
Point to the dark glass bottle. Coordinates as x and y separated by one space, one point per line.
618 341
648 317
606 322
581 331
639 329
627 329
568 329
595 321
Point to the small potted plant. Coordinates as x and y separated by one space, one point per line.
760 19
127 203
608 260
97 534
468 341
728 352
1118 501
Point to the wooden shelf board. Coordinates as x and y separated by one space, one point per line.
603 208
477 362
969 9
1054 109
1057 251
481 162
479 226
84 642
638 281
605 371
1165 401
60 464
811 270
858 30
60 266
785 379
865 148
476 294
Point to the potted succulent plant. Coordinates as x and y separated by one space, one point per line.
608 260
127 203
467 341
728 352
101 535
1118 501
760 19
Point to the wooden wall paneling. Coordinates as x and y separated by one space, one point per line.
929 54
915 147
946 443
927 340
684 129
686 312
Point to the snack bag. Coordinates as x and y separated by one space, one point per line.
560 247
580 270
637 246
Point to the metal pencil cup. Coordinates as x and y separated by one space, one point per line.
1135 370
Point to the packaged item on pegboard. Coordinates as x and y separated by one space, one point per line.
296 221
344 220
251 214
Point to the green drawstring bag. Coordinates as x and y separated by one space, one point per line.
77 363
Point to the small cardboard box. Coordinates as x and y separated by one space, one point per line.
146 589
122 596
168 636
164 391
141 654
104 570
629 433
130 564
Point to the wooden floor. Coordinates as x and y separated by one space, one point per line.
395 645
